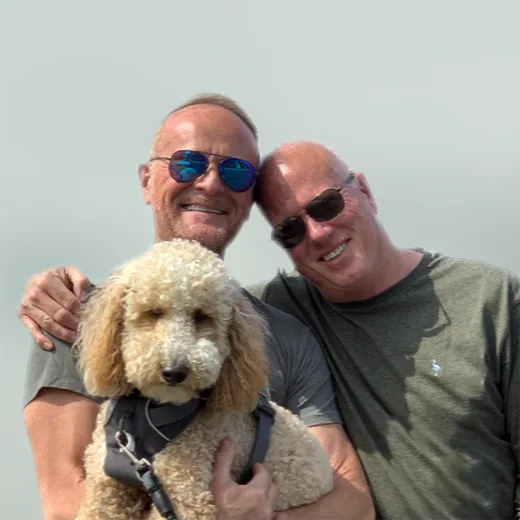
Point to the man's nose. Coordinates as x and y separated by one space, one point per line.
317 231
210 181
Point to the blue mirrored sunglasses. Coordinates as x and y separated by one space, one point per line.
186 165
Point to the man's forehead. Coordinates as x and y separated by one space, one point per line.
292 179
298 173
313 162
282 191
175 128
208 128
182 124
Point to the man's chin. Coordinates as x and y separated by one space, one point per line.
215 240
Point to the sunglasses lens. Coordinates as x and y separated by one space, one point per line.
238 175
185 165
290 232
326 206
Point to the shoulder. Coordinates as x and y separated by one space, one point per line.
290 343
282 288
474 277
280 323
283 279
52 369
300 377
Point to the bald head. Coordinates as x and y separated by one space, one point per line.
211 124
300 162
209 110
220 100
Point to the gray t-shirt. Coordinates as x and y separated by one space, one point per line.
427 378
299 376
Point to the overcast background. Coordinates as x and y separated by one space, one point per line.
421 96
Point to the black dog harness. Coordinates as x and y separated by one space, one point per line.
137 428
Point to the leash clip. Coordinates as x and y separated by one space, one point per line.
126 444
145 473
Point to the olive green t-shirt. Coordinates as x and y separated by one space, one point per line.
427 379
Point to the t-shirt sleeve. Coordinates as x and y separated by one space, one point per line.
310 394
52 369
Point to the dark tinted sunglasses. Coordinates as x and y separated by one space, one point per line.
322 208
186 165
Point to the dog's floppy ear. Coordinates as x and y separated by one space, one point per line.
245 372
99 340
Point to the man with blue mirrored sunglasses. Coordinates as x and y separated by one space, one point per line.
199 183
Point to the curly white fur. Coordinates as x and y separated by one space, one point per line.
177 302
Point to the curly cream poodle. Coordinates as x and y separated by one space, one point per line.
177 305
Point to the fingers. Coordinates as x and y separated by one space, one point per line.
59 289
261 477
224 459
36 333
262 480
256 499
272 494
50 303
80 284
40 305
54 308
38 319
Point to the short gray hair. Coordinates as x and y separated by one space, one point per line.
219 100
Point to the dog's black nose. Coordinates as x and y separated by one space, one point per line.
174 374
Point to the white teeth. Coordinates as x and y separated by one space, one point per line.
333 254
193 207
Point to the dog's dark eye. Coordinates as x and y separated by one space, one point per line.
201 318
155 313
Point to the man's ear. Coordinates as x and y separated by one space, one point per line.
364 188
144 179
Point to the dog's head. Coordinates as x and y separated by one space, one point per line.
172 323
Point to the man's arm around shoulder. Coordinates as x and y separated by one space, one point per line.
59 424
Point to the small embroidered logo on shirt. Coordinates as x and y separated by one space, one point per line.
435 368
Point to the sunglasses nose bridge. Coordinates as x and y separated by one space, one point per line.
213 163
210 180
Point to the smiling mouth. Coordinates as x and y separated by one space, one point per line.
202 209
335 253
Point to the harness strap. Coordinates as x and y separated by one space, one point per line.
156 492
264 414
152 425
159 418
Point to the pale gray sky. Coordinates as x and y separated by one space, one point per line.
421 96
